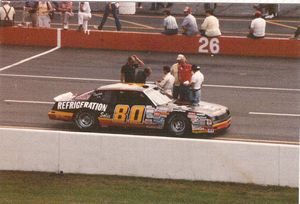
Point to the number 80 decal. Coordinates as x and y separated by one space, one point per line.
136 114
209 45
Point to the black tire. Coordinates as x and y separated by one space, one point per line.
178 125
85 120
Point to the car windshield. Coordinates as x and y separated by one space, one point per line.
157 96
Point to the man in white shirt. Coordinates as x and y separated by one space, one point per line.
210 26
7 14
196 85
189 24
170 24
84 15
257 27
167 82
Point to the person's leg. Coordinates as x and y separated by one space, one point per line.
47 21
175 92
116 17
104 18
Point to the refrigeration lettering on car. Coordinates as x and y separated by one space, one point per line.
81 104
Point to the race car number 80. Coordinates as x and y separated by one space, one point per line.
123 113
209 45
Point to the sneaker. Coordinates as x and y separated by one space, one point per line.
270 16
66 27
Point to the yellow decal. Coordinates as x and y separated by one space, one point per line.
136 114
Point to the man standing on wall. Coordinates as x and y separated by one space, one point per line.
111 7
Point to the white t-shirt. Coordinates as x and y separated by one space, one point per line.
211 26
197 79
10 14
86 8
259 26
170 22
167 83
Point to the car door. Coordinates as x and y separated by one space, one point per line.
108 100
130 109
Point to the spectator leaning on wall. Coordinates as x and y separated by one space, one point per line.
210 26
257 27
170 24
29 10
44 8
7 14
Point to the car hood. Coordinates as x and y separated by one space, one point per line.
205 108
64 97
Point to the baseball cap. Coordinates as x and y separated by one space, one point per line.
181 57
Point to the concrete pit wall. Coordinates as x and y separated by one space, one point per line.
145 156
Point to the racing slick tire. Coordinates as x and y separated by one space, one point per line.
178 124
85 120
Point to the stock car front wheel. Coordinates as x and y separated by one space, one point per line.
178 125
85 120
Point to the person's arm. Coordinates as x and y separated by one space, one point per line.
251 28
138 60
122 78
204 25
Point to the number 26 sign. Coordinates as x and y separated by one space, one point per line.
209 45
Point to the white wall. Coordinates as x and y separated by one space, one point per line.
156 157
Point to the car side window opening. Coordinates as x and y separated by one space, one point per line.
102 96
133 98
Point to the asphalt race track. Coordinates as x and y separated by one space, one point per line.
263 94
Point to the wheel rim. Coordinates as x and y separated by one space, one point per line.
178 125
85 120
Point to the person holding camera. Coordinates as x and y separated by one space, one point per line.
128 70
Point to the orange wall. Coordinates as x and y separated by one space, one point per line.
28 36
155 42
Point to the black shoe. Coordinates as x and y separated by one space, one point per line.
80 28
99 28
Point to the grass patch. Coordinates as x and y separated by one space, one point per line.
37 187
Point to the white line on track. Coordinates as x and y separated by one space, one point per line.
28 59
31 102
275 114
114 80
58 46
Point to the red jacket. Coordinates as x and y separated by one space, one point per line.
184 73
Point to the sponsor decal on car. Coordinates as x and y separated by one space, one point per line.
81 104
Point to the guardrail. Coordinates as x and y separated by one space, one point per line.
146 156
134 41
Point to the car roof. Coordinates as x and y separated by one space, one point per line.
127 87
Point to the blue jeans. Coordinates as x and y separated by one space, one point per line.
195 96
114 11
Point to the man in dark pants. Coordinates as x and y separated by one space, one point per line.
111 7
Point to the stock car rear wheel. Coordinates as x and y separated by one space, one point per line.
85 120
178 125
